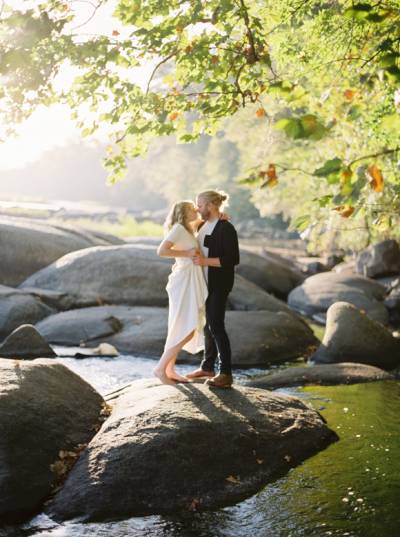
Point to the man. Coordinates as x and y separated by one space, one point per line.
220 253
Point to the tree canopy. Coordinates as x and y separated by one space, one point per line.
314 83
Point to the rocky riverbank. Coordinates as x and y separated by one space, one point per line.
107 292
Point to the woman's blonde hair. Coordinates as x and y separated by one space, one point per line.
219 198
177 214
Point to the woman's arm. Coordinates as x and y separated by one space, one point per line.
206 261
166 250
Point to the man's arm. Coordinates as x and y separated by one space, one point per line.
230 255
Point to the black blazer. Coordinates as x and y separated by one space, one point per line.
222 243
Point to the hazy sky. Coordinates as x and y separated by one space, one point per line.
52 127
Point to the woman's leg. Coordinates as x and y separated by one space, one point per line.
164 370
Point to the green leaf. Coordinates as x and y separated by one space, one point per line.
324 200
331 166
292 127
391 122
302 222
358 12
388 59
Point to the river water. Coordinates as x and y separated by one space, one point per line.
350 489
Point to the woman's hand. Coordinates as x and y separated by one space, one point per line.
199 260
224 216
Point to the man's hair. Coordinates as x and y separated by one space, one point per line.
219 198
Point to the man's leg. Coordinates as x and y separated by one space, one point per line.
210 350
215 308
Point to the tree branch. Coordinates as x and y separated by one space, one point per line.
164 60
374 155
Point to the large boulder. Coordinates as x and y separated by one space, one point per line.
263 337
26 343
27 245
246 295
323 375
351 336
166 449
19 307
270 272
381 259
124 274
140 331
320 291
257 337
45 408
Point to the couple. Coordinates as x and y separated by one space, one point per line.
206 251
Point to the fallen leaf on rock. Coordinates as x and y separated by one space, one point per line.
233 479
259 461
287 458
196 503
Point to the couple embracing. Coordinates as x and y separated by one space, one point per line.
205 247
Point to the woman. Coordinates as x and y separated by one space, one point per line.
187 290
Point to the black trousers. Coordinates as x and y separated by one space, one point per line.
217 343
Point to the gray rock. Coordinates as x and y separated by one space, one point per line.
381 259
147 455
324 375
257 337
392 302
140 331
18 307
389 282
264 337
320 291
351 336
107 275
347 268
276 276
26 343
28 245
44 408
246 295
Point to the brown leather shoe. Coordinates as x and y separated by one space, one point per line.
220 381
199 374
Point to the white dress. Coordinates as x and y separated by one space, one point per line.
187 292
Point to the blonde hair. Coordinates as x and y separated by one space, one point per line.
219 198
177 214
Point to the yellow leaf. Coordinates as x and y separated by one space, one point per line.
115 33
172 116
346 176
375 178
344 210
260 112
271 172
214 59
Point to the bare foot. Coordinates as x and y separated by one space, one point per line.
162 376
174 375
